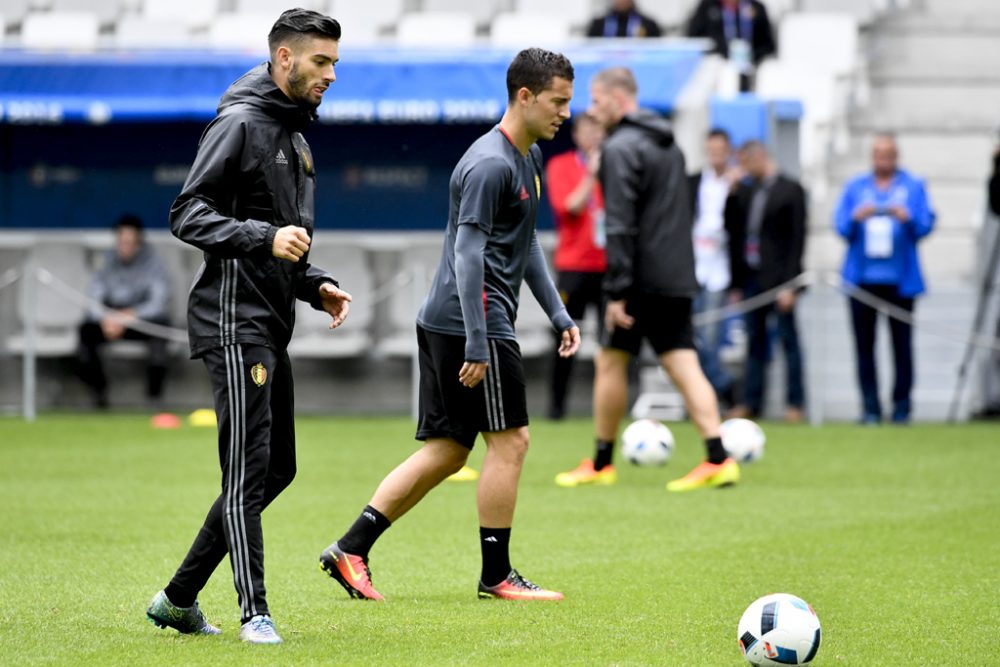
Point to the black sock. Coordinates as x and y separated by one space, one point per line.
367 528
495 544
178 597
602 457
716 452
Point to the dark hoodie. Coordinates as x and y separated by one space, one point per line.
649 219
253 174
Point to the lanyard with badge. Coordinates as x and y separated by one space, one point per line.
738 35
880 227
632 29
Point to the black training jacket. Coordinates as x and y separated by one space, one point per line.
253 174
647 209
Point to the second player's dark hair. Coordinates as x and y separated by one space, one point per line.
718 132
534 69
295 24
129 220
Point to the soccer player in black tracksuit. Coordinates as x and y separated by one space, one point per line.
650 280
248 204
471 376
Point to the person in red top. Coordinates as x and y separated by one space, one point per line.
578 210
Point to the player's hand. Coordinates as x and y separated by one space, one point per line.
785 300
336 302
112 327
615 316
863 212
594 162
901 213
290 243
472 373
570 342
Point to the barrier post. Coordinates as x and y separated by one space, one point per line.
817 393
29 311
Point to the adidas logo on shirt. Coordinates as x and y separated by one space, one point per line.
280 157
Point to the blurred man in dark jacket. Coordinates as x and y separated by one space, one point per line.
650 280
740 31
623 20
766 221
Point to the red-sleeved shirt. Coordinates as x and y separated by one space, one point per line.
577 249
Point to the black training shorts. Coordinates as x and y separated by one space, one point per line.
450 410
665 321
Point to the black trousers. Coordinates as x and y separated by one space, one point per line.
91 368
254 402
578 290
864 319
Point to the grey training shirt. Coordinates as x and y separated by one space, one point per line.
496 189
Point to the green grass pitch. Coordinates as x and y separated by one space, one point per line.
893 535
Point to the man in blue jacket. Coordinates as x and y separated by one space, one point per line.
883 214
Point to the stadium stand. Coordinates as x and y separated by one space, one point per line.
578 12
514 29
108 11
269 6
416 266
14 11
482 11
55 318
58 30
242 31
436 30
313 337
138 32
857 65
364 22
194 13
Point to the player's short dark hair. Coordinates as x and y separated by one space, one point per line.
618 78
129 220
295 24
754 146
534 69
719 133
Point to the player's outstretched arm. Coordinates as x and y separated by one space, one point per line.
470 243
540 283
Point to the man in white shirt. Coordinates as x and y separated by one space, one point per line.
709 190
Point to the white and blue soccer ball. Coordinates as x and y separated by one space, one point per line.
779 629
743 439
647 442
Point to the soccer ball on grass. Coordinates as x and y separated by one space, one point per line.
743 439
779 629
647 442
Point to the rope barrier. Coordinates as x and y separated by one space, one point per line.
404 278
902 315
853 291
153 329
753 303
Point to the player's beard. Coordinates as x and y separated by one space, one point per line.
299 87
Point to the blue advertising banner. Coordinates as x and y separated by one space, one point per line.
386 85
